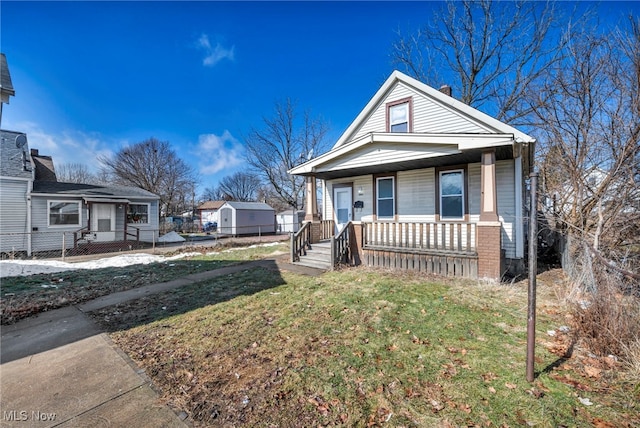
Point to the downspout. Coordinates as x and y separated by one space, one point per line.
29 228
519 182
29 220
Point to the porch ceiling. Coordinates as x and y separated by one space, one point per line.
468 156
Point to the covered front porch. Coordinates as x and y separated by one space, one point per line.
425 242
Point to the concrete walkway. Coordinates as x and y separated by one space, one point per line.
59 369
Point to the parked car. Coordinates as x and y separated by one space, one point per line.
210 226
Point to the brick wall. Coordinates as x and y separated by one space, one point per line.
489 252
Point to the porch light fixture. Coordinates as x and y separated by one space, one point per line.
360 191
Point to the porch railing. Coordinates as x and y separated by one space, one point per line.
79 235
135 235
422 236
340 246
328 227
300 242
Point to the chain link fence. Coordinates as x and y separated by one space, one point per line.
62 244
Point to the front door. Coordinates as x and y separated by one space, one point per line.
341 207
103 221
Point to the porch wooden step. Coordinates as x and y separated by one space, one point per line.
318 256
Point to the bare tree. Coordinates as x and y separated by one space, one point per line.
212 193
75 173
240 186
494 52
153 166
282 143
590 124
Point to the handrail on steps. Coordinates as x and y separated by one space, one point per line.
83 231
300 242
135 235
340 246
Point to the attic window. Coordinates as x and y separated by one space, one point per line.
399 116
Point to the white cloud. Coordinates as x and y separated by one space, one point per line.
213 55
67 147
219 152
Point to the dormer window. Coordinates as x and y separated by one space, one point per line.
399 116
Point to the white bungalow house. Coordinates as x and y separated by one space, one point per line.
421 181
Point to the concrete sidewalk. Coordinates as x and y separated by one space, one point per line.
59 369
88 383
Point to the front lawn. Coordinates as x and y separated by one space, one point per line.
367 348
24 296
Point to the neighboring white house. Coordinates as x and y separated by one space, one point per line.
290 220
424 176
246 218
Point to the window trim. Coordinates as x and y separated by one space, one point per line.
465 192
65 201
389 105
148 213
393 197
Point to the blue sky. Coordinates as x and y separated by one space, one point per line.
92 77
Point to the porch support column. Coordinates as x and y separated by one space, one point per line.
311 200
489 227
489 195
311 209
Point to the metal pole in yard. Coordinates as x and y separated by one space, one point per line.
63 245
533 270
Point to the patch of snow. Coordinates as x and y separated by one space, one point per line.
10 268
32 267
171 237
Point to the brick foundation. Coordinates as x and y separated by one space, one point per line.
489 251
316 232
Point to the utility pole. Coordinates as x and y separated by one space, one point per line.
533 270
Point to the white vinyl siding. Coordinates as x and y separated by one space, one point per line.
505 178
428 115
474 174
416 195
381 153
13 215
363 182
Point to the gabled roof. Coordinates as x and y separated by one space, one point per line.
92 191
491 124
257 206
210 205
454 129
6 86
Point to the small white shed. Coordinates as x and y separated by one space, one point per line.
290 220
246 218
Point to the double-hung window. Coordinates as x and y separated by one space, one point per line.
64 213
399 116
452 194
385 198
138 213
